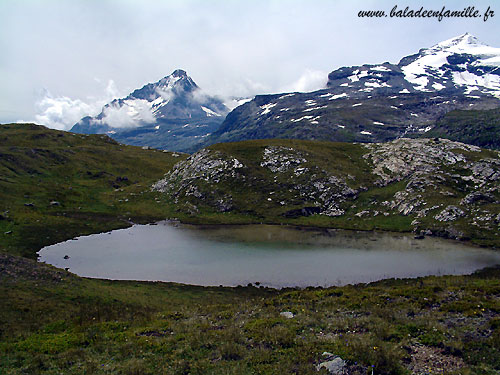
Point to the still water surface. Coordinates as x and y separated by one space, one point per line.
275 256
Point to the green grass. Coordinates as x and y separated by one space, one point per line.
97 183
53 322
477 127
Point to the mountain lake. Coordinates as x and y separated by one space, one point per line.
268 255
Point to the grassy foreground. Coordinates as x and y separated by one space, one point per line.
55 185
52 322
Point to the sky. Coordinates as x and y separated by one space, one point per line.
61 60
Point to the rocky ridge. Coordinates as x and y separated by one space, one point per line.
443 187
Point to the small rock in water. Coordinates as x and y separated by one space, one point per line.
287 314
66 257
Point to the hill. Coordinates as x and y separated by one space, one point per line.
55 185
433 186
476 127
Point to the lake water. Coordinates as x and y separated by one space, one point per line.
275 256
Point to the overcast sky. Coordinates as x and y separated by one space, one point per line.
63 59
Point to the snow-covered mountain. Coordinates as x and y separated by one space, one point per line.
372 103
173 113
461 65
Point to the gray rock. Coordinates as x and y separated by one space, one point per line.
476 197
450 213
362 214
334 366
287 314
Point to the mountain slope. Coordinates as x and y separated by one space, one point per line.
374 103
172 113
481 128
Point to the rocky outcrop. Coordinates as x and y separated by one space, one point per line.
444 187
205 166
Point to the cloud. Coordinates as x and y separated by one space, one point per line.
310 80
129 114
63 112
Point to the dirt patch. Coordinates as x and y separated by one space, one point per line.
14 268
426 360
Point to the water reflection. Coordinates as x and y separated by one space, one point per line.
276 256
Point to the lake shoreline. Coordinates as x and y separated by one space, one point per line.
276 256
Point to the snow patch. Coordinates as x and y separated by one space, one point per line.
302 118
267 108
209 112
314 108
437 86
338 96
380 68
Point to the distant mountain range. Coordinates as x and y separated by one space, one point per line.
368 103
173 113
375 103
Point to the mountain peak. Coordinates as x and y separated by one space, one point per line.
459 43
179 73
178 79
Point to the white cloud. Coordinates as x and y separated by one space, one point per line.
62 112
63 45
132 113
310 80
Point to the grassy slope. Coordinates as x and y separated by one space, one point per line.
477 127
98 183
54 322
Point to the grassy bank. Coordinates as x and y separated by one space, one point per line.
54 322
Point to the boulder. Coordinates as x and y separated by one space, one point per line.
335 365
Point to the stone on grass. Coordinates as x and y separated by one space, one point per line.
287 314
334 366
